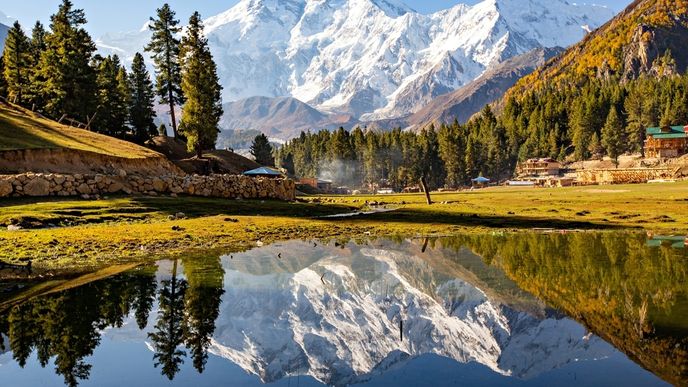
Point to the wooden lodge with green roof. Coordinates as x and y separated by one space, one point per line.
666 141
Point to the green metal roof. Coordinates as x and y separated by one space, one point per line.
668 132
669 135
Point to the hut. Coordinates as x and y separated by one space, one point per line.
480 182
264 172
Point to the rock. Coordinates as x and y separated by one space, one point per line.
37 187
115 187
180 215
84 189
85 197
59 179
14 227
5 188
121 173
158 185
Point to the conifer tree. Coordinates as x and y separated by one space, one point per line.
3 83
17 58
261 150
113 96
201 86
612 135
164 47
69 82
38 45
142 100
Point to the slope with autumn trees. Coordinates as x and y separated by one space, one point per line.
628 46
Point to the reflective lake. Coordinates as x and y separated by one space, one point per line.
594 309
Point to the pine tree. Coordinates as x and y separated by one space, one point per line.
38 46
165 52
201 86
142 100
17 58
262 150
113 94
3 83
612 135
69 82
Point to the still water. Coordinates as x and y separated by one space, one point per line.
593 309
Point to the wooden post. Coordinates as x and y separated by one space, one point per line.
425 189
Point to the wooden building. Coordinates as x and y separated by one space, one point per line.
666 141
539 167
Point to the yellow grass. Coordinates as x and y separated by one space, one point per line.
20 129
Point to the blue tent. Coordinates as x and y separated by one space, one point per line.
481 180
263 171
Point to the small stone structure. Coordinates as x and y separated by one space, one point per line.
220 186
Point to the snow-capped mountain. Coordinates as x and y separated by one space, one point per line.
5 24
373 59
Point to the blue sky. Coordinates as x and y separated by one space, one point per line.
126 15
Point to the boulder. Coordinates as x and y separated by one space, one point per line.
37 187
115 187
84 189
158 185
5 188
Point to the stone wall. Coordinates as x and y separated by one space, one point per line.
88 186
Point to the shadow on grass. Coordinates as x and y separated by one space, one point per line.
416 216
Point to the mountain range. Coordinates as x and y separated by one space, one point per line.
356 61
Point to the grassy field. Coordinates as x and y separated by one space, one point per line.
21 130
93 234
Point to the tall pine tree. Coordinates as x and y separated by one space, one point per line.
164 47
17 58
201 86
141 113
612 135
113 96
262 150
38 45
69 85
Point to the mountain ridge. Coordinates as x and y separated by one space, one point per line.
372 59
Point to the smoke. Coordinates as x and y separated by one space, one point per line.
341 172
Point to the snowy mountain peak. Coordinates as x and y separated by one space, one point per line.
376 59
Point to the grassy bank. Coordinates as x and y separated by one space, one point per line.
94 234
22 130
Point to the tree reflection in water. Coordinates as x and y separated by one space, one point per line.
632 295
68 325
626 291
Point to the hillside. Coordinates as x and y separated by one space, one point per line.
463 103
629 45
31 143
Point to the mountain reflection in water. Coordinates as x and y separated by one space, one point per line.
299 313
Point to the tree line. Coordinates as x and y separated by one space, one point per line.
450 155
574 120
57 73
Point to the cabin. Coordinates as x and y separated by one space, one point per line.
666 141
321 185
539 167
